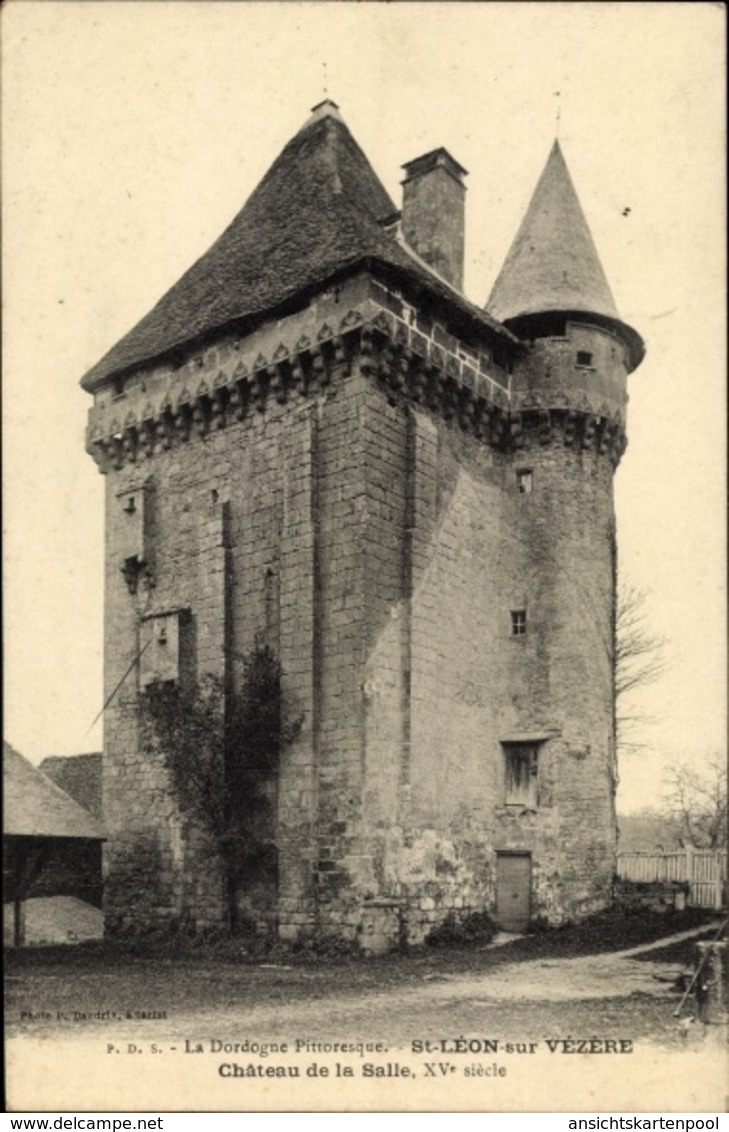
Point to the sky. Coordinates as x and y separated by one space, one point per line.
133 133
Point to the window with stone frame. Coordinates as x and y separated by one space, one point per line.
520 774
518 622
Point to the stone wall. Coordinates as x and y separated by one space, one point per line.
476 549
351 495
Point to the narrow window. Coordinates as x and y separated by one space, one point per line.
117 388
584 358
524 481
132 537
518 622
520 774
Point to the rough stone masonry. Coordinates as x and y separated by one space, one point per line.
315 439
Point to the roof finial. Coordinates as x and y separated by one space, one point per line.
558 114
326 88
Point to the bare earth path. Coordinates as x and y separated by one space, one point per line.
202 999
509 1016
461 1004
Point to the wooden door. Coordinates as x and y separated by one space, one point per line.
513 890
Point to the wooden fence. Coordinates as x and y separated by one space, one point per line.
705 871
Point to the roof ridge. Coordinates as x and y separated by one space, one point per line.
80 755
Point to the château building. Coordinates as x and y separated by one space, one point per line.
317 440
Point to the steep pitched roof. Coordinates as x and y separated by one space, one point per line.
552 264
33 806
316 214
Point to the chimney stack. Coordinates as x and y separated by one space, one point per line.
433 212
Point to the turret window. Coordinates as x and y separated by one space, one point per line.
524 481
584 358
518 622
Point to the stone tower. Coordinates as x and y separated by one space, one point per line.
315 437
568 400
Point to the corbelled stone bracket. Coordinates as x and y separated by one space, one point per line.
407 364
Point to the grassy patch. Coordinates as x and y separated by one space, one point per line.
617 929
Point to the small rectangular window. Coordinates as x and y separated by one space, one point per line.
518 622
524 481
584 358
520 774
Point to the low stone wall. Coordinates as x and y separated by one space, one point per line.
658 896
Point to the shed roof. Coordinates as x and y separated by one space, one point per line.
318 214
33 806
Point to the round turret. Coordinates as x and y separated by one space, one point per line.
568 402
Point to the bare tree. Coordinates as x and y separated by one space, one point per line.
638 661
696 800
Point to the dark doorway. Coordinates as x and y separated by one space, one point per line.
513 890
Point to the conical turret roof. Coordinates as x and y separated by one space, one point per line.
316 214
553 263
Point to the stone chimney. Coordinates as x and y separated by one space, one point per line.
433 210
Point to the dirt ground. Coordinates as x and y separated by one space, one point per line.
56 919
496 989
482 1027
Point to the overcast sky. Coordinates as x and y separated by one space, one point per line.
133 132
